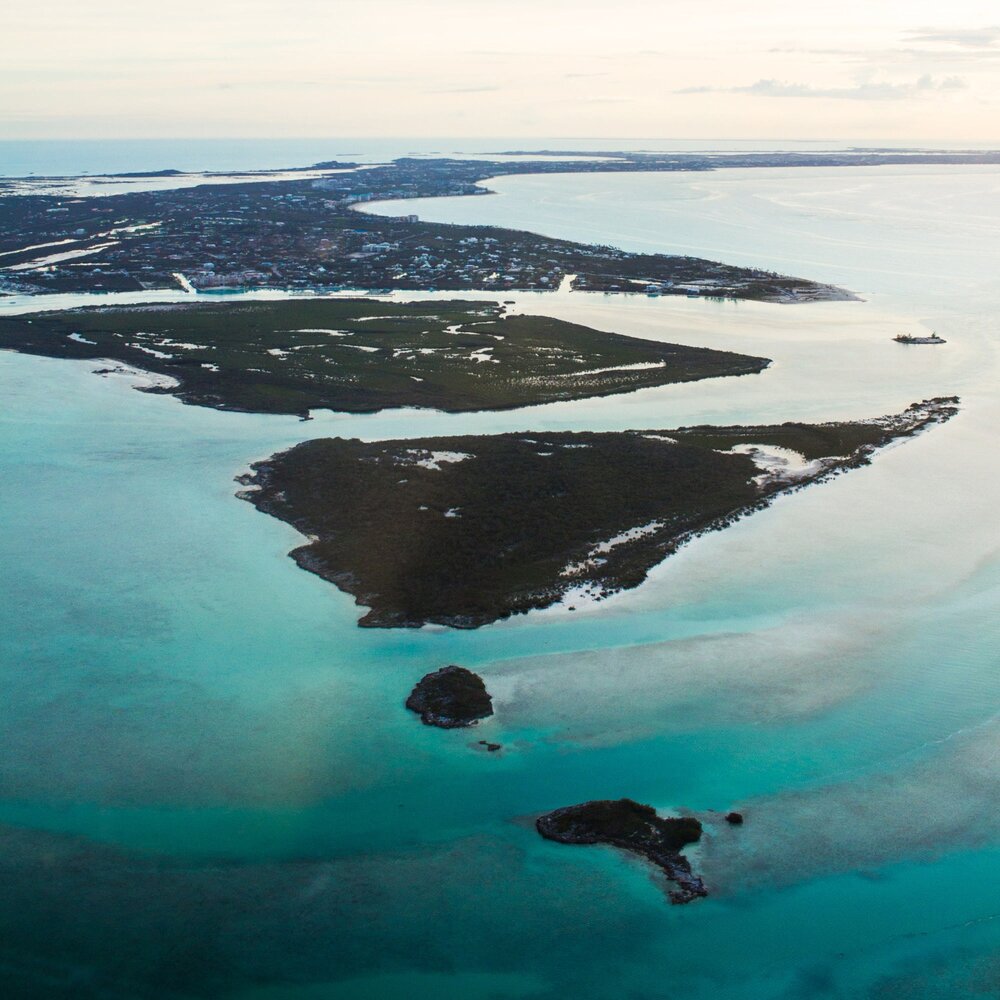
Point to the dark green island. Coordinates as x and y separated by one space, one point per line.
463 531
363 355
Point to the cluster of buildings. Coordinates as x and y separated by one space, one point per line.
309 235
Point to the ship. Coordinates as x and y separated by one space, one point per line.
907 338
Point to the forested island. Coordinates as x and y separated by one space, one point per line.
363 355
463 531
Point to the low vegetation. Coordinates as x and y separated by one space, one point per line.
363 355
465 530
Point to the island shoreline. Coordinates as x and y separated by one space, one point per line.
265 489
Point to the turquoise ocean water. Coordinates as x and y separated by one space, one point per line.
209 785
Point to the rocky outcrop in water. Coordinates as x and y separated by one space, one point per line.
450 698
632 826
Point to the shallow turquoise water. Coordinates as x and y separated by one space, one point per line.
209 786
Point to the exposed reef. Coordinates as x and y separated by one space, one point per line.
463 531
632 826
451 698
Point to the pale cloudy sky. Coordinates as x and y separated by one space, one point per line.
856 69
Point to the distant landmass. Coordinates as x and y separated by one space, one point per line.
306 234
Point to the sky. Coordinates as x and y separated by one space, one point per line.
771 69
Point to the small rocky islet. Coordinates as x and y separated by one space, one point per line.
455 697
634 827
451 698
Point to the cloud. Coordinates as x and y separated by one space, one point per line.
810 51
975 38
929 53
859 92
465 90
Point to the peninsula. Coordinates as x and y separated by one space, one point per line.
463 531
363 355
306 234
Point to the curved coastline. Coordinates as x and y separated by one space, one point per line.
817 291
320 249
369 208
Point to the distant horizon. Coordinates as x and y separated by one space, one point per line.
52 157
881 71
861 141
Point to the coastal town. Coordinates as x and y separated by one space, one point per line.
312 235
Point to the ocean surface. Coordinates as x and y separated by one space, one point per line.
60 158
209 785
